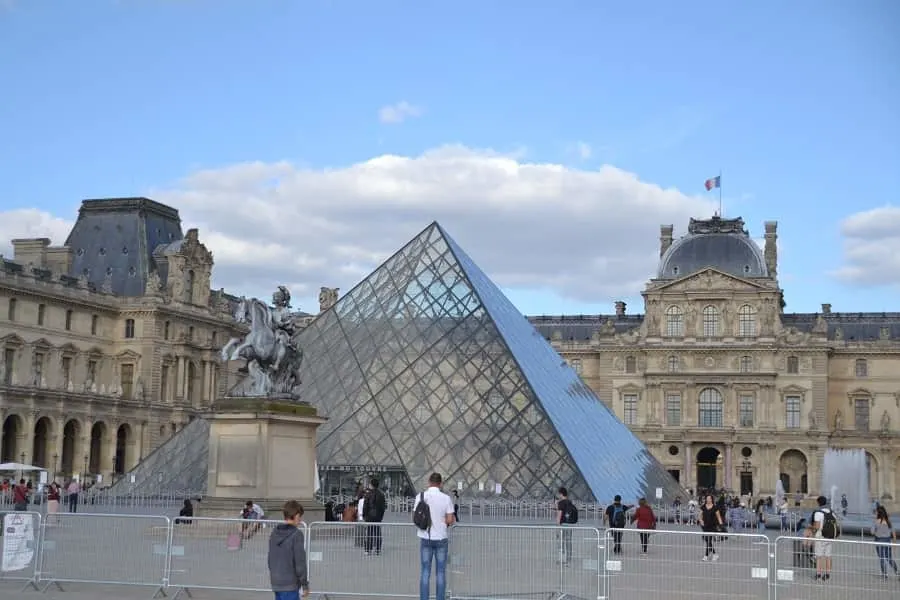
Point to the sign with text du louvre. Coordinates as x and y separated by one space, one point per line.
18 542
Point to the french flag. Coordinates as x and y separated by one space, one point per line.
712 183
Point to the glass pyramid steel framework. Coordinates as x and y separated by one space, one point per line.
426 366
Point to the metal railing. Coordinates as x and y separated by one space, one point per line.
172 556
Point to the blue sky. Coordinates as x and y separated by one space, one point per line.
795 102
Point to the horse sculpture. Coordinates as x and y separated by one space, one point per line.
273 360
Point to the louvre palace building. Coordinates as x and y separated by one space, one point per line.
109 343
726 389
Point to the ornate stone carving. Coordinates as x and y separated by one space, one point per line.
838 333
812 419
716 225
690 321
176 283
885 422
154 284
273 357
727 325
821 326
608 328
82 281
838 420
107 286
139 389
328 297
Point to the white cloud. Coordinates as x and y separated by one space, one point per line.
30 223
871 247
587 235
399 112
583 150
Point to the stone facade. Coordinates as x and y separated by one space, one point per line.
728 390
108 344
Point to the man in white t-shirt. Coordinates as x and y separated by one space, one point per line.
822 546
433 542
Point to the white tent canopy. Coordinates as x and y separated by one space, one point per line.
19 467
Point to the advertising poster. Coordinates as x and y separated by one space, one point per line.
18 542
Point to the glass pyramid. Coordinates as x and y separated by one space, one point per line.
426 366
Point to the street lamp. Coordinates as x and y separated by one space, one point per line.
83 473
22 456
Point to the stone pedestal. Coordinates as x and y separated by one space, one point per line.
261 449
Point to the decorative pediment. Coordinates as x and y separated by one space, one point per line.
710 280
68 348
194 252
793 389
168 357
95 351
12 340
860 394
42 344
629 388
128 355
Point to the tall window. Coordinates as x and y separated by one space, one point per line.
11 310
793 365
189 285
630 364
9 361
42 311
862 367
710 321
92 371
69 320
674 322
166 330
746 321
746 364
674 364
861 414
94 323
190 333
129 328
575 363
127 381
792 412
711 408
630 408
745 409
673 409
66 371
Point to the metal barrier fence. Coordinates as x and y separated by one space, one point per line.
220 554
856 569
686 564
484 561
19 548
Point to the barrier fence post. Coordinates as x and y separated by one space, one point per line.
20 548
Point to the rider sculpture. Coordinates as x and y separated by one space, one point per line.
273 358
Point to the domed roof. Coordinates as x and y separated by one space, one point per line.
722 244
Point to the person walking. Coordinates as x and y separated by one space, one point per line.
566 514
884 535
711 524
432 525
616 519
20 496
53 493
645 521
374 506
287 556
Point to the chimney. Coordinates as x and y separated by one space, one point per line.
771 251
620 308
31 250
665 238
826 309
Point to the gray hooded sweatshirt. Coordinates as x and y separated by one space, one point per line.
287 559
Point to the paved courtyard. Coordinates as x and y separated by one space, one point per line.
506 560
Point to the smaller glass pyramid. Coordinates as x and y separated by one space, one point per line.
426 366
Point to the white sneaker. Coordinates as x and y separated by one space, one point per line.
715 557
705 558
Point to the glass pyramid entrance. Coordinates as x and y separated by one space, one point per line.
426 366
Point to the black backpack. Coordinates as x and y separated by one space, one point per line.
422 514
618 517
370 507
570 513
830 528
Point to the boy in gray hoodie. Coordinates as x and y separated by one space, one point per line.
287 556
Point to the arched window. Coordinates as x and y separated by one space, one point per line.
189 287
710 321
746 321
711 408
674 364
674 322
630 364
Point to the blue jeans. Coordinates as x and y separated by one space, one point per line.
295 595
433 550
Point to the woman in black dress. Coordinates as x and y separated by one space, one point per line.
711 523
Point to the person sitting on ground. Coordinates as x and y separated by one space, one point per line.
186 511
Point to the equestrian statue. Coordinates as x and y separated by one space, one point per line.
273 357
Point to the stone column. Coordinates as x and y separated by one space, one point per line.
179 379
728 468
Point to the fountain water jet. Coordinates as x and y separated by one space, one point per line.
846 472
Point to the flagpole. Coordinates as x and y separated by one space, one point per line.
721 216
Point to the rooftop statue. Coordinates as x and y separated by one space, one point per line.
273 358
